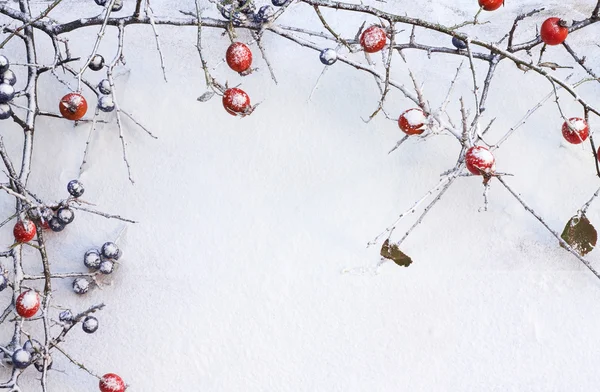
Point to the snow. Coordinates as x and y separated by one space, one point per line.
234 280
30 300
577 124
415 117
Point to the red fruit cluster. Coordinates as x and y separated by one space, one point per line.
490 5
412 121
73 106
239 57
373 39
27 304
24 231
554 31
576 131
480 161
236 102
111 382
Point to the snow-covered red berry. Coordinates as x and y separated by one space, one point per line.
576 131
412 121
21 358
90 324
328 56
111 382
24 231
554 31
28 303
104 87
490 5
73 106
110 250
9 77
7 92
4 63
5 111
65 215
92 259
81 285
373 39
480 161
239 57
66 316
236 101
96 63
106 267
106 104
55 224
75 188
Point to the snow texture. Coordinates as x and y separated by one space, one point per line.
415 117
235 275
30 300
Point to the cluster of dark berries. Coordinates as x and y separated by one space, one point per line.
7 91
246 10
31 352
105 102
102 260
117 6
89 324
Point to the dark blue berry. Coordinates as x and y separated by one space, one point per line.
75 188
55 224
7 92
5 111
21 358
90 324
65 215
9 77
459 43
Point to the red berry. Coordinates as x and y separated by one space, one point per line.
24 231
554 31
239 57
73 106
236 101
110 382
28 303
490 5
412 121
480 161
578 132
373 39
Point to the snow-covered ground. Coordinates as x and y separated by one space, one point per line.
234 278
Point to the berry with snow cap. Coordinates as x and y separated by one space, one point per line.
4 63
21 358
117 5
236 102
96 63
328 56
9 77
239 57
90 324
104 87
278 3
7 92
106 267
27 303
265 14
73 106
480 161
576 130
65 215
106 104
55 224
412 121
92 259
110 250
5 111
81 285
66 316
75 188
33 347
373 39
39 363
24 231
111 382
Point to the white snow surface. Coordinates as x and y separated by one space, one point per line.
577 124
29 300
415 117
234 278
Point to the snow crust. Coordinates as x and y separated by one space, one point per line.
415 117
30 300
